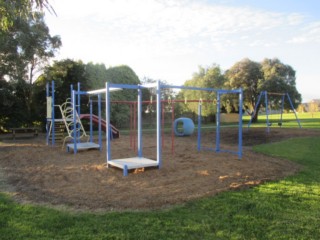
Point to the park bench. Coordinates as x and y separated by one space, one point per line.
32 130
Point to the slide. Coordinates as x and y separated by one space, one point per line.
95 119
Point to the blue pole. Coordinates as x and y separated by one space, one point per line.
71 90
47 121
74 111
240 124
108 145
295 113
267 110
255 109
199 125
218 123
52 114
282 107
99 113
139 123
91 127
159 140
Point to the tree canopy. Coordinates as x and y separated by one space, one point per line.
10 10
25 47
269 75
210 77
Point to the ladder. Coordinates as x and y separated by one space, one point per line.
67 122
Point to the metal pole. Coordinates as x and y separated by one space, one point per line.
139 123
47 121
218 123
74 111
199 126
255 109
99 113
52 114
108 145
240 124
295 113
281 111
91 127
159 147
79 112
267 110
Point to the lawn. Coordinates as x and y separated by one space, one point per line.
286 209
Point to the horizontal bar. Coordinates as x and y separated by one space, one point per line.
125 86
103 90
202 89
149 85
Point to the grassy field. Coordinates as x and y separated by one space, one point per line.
286 209
307 120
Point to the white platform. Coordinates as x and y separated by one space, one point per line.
83 146
132 163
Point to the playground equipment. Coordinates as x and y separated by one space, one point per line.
56 126
142 162
186 129
138 161
71 121
266 95
95 119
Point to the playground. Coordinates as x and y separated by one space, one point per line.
36 173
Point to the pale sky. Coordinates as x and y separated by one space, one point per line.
169 39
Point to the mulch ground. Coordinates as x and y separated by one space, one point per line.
36 173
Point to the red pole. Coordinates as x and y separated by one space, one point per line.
131 125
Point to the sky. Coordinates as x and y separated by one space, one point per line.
169 39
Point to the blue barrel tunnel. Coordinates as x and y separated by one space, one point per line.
186 129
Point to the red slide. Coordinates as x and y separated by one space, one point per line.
95 119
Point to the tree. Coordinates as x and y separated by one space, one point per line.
65 73
10 10
270 75
280 78
24 49
120 113
246 74
7 102
210 77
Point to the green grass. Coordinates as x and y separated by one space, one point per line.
307 120
286 209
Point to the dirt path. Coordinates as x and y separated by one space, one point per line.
46 175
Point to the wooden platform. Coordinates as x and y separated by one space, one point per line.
132 163
83 146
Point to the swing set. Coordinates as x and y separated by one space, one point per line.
270 104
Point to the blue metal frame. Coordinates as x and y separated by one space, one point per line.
159 135
268 124
199 126
52 119
218 123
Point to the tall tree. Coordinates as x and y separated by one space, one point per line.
210 77
280 78
270 75
11 9
24 49
246 74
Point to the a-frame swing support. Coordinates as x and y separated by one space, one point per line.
266 102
